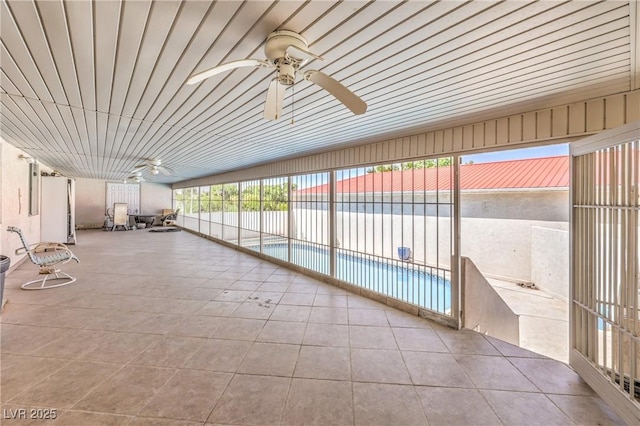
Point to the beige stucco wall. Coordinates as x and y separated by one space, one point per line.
90 202
154 197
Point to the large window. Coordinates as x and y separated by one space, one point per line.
179 205
34 189
191 208
215 211
386 228
250 215
230 210
275 218
394 230
204 209
310 222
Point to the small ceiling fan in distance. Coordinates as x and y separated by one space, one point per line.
154 165
134 177
287 52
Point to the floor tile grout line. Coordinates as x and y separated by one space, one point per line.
39 381
127 364
546 394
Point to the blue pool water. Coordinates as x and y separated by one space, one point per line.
407 282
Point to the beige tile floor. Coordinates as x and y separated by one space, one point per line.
172 329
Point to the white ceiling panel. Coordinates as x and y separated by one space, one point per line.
94 88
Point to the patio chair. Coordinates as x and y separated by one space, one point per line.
169 219
46 256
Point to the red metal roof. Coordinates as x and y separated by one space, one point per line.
548 172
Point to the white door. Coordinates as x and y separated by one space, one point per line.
605 313
124 193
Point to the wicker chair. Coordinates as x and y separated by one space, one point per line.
46 256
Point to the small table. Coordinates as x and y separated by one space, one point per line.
148 219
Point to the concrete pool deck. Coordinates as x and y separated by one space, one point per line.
544 319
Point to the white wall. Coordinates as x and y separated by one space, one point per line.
536 204
484 309
502 247
550 260
14 207
499 247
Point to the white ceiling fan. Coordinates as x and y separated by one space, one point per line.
154 165
287 52
135 177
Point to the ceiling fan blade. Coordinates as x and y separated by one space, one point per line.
341 93
197 78
275 99
165 170
140 166
301 53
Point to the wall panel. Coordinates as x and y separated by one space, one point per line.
529 126
515 129
559 123
614 111
543 124
577 118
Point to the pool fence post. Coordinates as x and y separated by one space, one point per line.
290 222
456 281
239 213
332 223
261 215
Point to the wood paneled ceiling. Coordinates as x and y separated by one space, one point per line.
93 88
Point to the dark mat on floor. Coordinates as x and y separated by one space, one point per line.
165 229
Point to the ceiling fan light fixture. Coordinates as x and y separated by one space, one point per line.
286 74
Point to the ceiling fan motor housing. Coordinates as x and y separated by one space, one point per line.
275 50
279 41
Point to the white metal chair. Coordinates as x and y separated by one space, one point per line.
46 256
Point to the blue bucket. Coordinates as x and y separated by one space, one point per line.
404 253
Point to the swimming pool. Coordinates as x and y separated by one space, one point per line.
412 283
